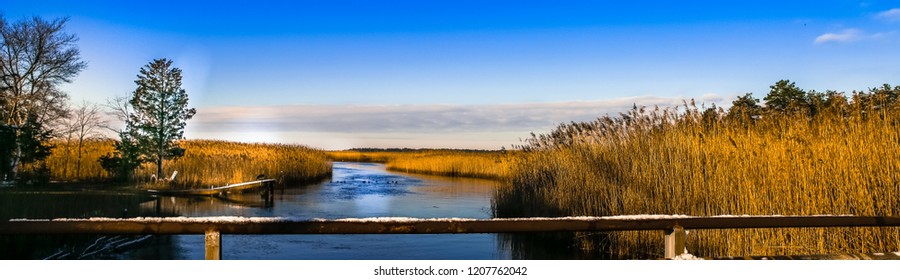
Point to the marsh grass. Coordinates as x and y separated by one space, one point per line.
445 162
218 163
845 160
473 164
64 163
363 156
205 163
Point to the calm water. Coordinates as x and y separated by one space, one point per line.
356 190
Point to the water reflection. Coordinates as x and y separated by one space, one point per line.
356 190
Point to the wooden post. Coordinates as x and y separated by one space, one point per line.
270 190
213 244
158 205
674 241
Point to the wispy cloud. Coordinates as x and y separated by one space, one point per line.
413 118
455 126
852 35
846 35
889 15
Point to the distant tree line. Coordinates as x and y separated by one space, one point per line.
784 100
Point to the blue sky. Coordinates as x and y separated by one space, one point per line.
465 74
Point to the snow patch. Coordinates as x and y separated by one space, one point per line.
687 257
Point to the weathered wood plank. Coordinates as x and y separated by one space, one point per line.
213 245
674 242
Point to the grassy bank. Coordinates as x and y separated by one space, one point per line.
205 163
453 163
364 155
487 165
841 158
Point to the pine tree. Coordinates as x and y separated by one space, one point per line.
785 97
744 109
125 159
160 112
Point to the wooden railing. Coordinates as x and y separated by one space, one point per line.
213 227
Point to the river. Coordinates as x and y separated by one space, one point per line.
356 190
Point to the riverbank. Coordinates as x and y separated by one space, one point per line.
356 190
205 163
493 165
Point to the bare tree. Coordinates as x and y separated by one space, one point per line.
119 108
127 155
85 122
36 57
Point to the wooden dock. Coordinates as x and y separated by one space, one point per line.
233 188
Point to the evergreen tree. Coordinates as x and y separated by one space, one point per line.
33 140
786 97
885 96
744 109
160 112
125 159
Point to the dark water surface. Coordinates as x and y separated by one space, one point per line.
356 190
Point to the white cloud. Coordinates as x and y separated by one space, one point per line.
713 98
889 15
846 35
852 35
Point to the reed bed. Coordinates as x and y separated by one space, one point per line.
445 162
64 163
843 159
217 163
486 165
205 163
363 156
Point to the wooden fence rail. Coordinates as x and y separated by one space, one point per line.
213 227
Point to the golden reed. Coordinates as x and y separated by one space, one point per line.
205 163
453 163
842 160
